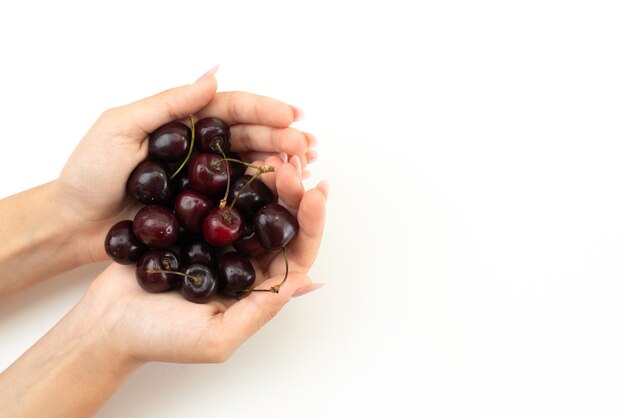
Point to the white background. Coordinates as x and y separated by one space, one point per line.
476 238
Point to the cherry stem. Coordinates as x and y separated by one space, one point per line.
219 148
195 279
244 187
275 288
193 138
266 168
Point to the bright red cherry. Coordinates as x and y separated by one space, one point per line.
222 226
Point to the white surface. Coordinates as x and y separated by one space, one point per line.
476 237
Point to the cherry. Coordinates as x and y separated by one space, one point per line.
236 274
157 270
236 170
150 183
275 226
191 208
198 251
254 195
199 283
248 244
170 142
121 244
208 174
213 135
181 183
156 226
222 226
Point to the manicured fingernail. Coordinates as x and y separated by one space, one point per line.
312 139
283 156
295 160
298 114
208 73
311 156
323 186
307 289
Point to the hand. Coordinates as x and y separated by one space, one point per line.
165 327
91 190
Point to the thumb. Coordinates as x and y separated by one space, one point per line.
142 117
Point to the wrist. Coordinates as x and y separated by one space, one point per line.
91 319
75 355
80 234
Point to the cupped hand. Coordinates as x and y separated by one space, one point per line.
91 190
165 327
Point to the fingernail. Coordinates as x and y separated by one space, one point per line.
307 289
306 174
323 186
295 160
208 73
298 114
312 139
311 156
283 156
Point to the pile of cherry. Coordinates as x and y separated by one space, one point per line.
203 217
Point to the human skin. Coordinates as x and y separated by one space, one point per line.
117 327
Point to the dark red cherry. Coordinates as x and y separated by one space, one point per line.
275 226
156 226
200 284
236 169
207 174
236 274
162 260
150 183
181 182
212 135
170 142
121 244
248 201
248 244
198 251
191 208
222 226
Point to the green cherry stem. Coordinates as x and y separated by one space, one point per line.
193 138
223 201
266 168
195 279
275 288
244 187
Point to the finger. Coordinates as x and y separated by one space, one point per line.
142 117
269 179
262 156
311 217
289 186
262 138
237 107
243 319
